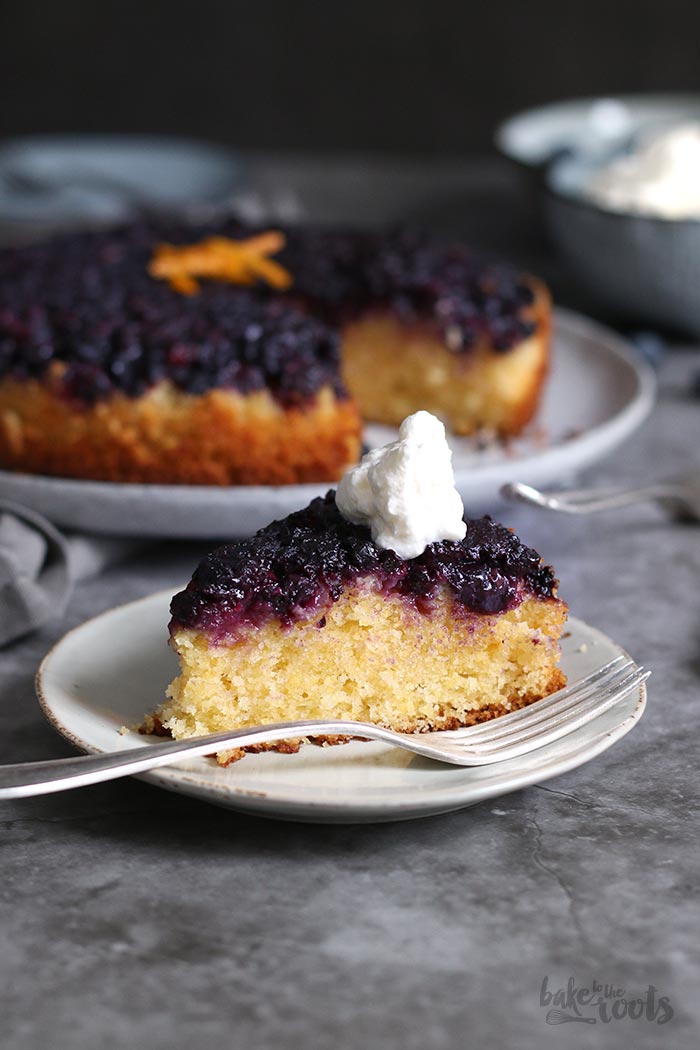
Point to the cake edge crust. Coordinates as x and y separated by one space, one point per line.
153 726
220 437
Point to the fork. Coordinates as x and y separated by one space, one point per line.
505 737
680 496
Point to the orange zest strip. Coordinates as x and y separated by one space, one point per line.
221 259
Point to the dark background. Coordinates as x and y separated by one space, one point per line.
411 77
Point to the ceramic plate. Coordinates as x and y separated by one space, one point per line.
112 670
49 181
597 394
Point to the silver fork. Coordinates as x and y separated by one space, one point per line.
679 496
505 737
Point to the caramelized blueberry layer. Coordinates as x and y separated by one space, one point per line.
87 301
296 567
418 278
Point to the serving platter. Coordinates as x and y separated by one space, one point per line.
106 674
598 392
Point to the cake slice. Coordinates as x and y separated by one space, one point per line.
317 616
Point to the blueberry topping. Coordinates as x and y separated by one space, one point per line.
416 276
294 568
86 300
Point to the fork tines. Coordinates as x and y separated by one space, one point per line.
556 715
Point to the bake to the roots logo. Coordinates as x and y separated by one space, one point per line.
599 1002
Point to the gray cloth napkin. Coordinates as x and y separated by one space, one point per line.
39 567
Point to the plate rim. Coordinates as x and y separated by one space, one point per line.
344 810
502 136
535 467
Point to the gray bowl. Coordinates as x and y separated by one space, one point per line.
642 268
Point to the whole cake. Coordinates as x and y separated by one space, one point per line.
378 603
235 356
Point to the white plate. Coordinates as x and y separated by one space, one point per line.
112 670
100 178
598 392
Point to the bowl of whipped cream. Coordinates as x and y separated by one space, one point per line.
619 180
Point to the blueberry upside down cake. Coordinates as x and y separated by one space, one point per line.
235 356
376 603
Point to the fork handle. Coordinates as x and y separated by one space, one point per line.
589 501
61 774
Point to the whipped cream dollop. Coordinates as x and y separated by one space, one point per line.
405 492
660 178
